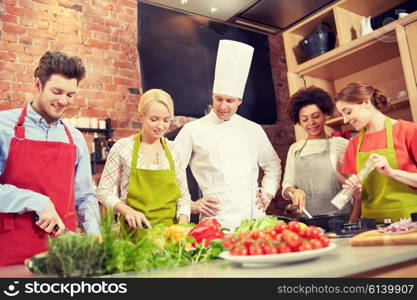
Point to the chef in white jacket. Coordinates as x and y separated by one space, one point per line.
225 150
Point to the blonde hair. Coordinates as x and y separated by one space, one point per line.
156 95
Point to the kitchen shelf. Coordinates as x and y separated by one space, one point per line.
96 158
108 133
400 103
344 17
384 36
359 55
335 121
384 58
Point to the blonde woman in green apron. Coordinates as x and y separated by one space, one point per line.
312 172
144 177
390 190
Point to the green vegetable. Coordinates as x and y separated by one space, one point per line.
37 264
263 223
74 255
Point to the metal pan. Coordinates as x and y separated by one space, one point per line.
325 221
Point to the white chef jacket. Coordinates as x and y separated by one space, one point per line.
225 157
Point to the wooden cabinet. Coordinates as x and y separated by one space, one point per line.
411 31
385 58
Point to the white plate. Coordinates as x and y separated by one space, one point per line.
261 260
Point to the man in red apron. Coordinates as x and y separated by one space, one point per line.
44 165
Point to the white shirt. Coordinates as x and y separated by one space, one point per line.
114 181
225 157
337 150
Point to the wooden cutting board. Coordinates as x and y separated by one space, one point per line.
375 238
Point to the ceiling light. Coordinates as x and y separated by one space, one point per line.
213 9
184 1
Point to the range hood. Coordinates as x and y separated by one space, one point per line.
264 16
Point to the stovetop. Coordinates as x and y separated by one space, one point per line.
339 229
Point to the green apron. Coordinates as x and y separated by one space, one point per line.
384 197
153 192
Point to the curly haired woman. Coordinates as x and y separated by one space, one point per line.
312 172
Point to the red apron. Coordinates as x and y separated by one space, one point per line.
43 167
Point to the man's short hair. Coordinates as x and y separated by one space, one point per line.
59 63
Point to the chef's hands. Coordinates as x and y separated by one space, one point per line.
135 218
263 200
298 198
48 218
381 164
206 206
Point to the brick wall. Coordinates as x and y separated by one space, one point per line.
102 32
281 134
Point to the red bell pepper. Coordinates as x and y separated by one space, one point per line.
211 223
216 235
207 230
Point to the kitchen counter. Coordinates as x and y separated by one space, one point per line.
344 261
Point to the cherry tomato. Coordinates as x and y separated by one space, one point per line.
244 235
280 227
316 244
293 240
247 242
278 237
273 233
305 246
264 236
313 232
255 234
255 249
271 249
239 250
284 249
286 234
229 240
304 232
296 249
294 226
324 240
263 244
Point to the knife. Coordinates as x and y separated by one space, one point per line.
144 226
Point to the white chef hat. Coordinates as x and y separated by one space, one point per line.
232 68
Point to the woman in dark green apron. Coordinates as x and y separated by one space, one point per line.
390 190
143 179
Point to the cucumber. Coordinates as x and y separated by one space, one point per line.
37 264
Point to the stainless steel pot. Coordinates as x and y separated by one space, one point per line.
326 221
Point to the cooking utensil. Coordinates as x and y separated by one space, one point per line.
304 210
325 221
143 224
318 42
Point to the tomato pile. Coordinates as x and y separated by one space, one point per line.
284 238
